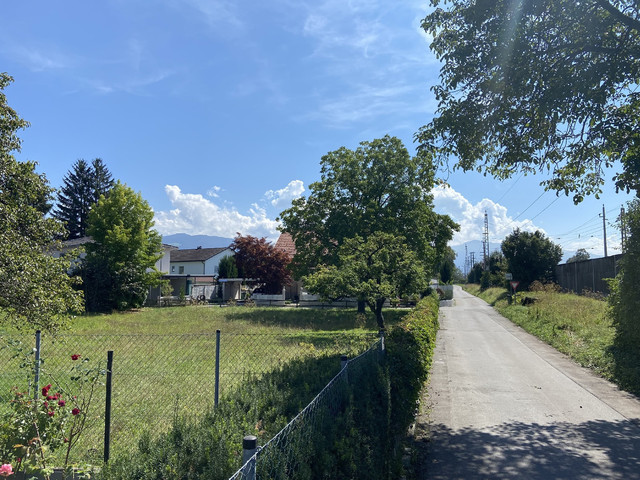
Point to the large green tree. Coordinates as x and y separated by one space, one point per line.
82 187
35 290
531 257
120 264
375 269
378 187
538 85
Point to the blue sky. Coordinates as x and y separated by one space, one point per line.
218 112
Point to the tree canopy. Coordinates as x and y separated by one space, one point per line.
372 203
378 187
35 290
538 85
581 255
374 269
258 259
83 186
120 264
531 257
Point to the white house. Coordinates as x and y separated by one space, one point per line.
198 261
164 263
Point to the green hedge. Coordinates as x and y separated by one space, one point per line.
354 435
410 351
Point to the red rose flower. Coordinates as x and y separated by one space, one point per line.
61 403
75 356
51 414
75 411
45 390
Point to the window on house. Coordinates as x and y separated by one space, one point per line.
173 269
181 269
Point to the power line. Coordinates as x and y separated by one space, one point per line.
510 188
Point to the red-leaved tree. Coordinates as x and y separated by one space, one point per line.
258 259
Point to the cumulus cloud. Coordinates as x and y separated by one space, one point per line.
293 190
470 217
196 215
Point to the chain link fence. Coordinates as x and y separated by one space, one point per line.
296 452
157 378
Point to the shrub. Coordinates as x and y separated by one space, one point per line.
410 352
353 434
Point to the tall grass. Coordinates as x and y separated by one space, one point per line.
164 359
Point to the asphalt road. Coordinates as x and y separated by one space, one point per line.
505 405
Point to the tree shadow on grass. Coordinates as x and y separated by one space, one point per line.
594 449
314 319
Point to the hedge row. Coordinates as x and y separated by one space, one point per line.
355 436
410 352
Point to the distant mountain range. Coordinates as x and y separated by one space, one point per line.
186 241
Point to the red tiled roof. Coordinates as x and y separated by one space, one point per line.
285 243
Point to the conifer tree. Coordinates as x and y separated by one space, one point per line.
83 186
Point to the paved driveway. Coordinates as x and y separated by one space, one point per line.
505 405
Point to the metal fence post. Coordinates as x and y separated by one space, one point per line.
343 361
249 448
217 379
382 346
107 407
36 367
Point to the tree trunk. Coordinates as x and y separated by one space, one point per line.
376 308
362 305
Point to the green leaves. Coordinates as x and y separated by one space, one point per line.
531 257
120 263
368 228
35 289
535 85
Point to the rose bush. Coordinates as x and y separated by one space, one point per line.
35 428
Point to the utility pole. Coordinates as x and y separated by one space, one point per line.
485 242
604 229
466 260
623 229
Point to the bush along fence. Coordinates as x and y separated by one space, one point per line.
156 379
330 430
354 427
164 424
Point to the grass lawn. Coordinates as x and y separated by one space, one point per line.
164 358
575 325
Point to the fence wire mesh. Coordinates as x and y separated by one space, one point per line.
157 378
295 451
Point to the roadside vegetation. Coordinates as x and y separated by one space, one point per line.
578 326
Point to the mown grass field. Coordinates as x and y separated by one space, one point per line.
164 358
575 325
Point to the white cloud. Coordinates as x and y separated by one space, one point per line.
196 215
39 60
213 191
293 190
470 217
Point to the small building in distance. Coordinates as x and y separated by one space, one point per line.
286 244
